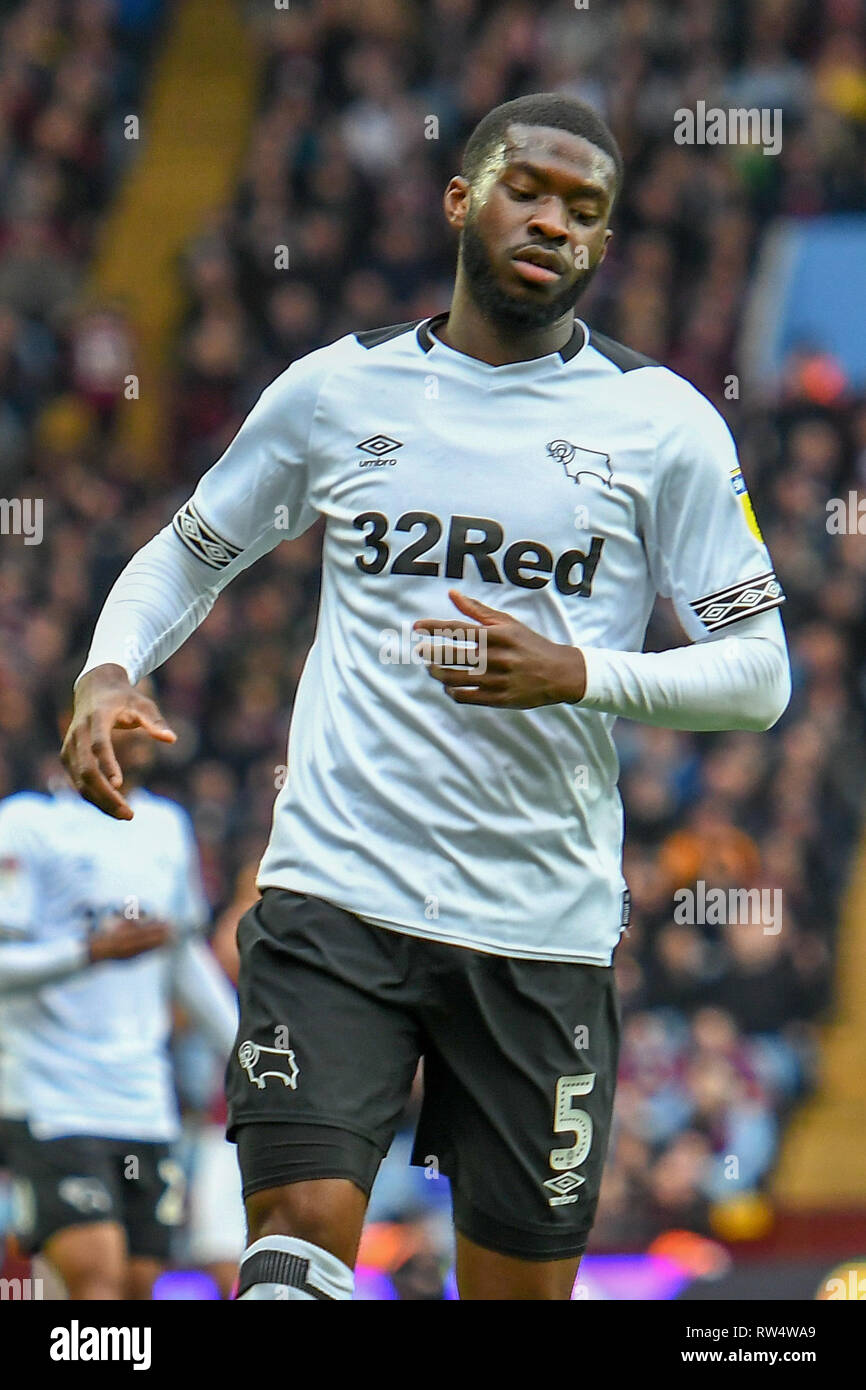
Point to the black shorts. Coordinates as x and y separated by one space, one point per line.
519 1056
82 1179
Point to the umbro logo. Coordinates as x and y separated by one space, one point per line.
379 444
578 461
564 1188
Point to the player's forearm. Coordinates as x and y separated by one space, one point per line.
29 965
159 599
736 682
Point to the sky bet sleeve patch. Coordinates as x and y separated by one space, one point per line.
738 483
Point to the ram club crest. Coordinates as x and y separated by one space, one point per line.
581 463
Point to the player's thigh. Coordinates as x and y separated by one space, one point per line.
487 1275
519 1087
152 1186
326 1052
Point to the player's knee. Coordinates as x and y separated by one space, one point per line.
301 1209
488 1275
90 1261
95 1286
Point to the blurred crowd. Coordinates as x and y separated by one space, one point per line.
364 108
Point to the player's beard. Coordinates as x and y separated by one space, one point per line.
512 312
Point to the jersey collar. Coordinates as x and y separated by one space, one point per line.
429 342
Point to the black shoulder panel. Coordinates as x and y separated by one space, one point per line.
623 357
372 337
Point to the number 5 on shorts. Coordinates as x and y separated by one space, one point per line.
569 1121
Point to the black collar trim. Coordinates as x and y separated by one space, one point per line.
423 333
578 339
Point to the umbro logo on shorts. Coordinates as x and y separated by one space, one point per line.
564 1188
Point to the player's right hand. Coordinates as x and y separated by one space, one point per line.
127 939
104 701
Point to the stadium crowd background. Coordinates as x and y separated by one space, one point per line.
719 1021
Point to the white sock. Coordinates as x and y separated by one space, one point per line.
284 1267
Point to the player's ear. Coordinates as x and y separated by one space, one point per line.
607 236
456 202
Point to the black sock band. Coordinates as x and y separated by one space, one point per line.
278 1267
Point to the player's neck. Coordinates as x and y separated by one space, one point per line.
467 329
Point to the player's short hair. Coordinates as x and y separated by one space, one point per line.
540 108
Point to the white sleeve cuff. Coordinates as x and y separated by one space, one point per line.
740 681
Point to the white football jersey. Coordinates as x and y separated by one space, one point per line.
87 1054
568 491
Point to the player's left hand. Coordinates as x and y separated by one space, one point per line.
516 667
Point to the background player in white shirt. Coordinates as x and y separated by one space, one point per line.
444 874
98 934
